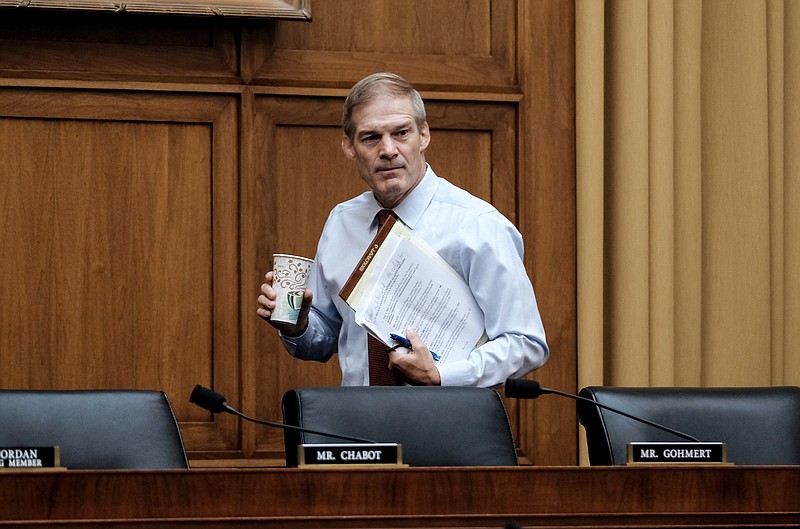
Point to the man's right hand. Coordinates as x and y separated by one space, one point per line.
266 302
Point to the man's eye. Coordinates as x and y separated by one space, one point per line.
404 132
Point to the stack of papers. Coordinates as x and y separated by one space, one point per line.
402 282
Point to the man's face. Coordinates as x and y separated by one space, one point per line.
388 148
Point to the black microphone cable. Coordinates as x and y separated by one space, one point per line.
215 403
530 389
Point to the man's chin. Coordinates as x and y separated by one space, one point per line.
388 184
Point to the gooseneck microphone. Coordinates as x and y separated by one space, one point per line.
216 403
530 389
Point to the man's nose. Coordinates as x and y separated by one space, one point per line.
388 147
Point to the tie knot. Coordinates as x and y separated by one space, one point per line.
383 215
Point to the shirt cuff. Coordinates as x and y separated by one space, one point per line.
291 343
456 374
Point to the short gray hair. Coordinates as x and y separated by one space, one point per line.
375 85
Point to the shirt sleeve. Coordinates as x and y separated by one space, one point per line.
318 342
491 258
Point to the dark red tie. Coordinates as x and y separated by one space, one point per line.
379 372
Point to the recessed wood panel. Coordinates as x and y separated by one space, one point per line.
467 45
300 174
103 46
378 26
116 270
96 212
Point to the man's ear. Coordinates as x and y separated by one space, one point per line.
424 136
347 147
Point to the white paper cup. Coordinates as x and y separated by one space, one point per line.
291 278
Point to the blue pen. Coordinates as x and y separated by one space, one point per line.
405 343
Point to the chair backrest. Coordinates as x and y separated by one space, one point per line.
761 426
436 426
95 429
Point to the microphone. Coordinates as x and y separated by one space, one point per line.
208 399
530 389
216 403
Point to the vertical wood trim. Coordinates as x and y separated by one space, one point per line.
546 204
249 242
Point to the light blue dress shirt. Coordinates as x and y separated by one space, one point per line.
479 243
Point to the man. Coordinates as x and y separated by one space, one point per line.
386 135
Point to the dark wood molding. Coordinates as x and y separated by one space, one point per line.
641 497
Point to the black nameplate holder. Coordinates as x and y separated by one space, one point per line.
23 458
350 455
678 453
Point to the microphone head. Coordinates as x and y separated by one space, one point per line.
208 399
519 388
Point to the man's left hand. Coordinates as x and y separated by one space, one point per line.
415 366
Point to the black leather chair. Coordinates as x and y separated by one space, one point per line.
761 426
436 426
95 429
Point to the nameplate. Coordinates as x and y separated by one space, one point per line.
677 453
29 457
350 454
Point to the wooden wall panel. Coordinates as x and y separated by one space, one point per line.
546 198
100 227
104 46
468 44
119 260
152 165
